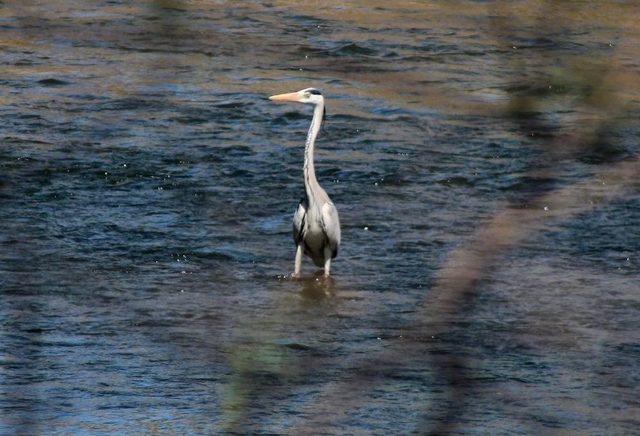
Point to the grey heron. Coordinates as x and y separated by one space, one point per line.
316 226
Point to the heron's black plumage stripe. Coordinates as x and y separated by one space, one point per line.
314 92
298 234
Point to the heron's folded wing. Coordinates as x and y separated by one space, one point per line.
331 226
298 222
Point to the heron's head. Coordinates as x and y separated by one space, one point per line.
308 95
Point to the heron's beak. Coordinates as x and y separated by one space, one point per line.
292 96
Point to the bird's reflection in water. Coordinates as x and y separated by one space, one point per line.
317 287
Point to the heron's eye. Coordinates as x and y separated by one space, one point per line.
307 95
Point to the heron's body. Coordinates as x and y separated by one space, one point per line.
309 231
316 226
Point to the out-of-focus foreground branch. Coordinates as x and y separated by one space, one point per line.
456 287
589 89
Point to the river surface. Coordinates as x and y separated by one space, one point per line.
147 188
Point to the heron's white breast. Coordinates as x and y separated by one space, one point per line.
314 235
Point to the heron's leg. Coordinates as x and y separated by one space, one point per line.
298 263
327 261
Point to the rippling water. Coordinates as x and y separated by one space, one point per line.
147 188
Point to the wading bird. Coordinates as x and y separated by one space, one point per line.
316 227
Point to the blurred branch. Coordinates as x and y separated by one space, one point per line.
456 288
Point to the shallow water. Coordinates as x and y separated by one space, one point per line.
147 189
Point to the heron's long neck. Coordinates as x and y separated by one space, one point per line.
310 182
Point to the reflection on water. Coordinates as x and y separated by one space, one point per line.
317 288
146 191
